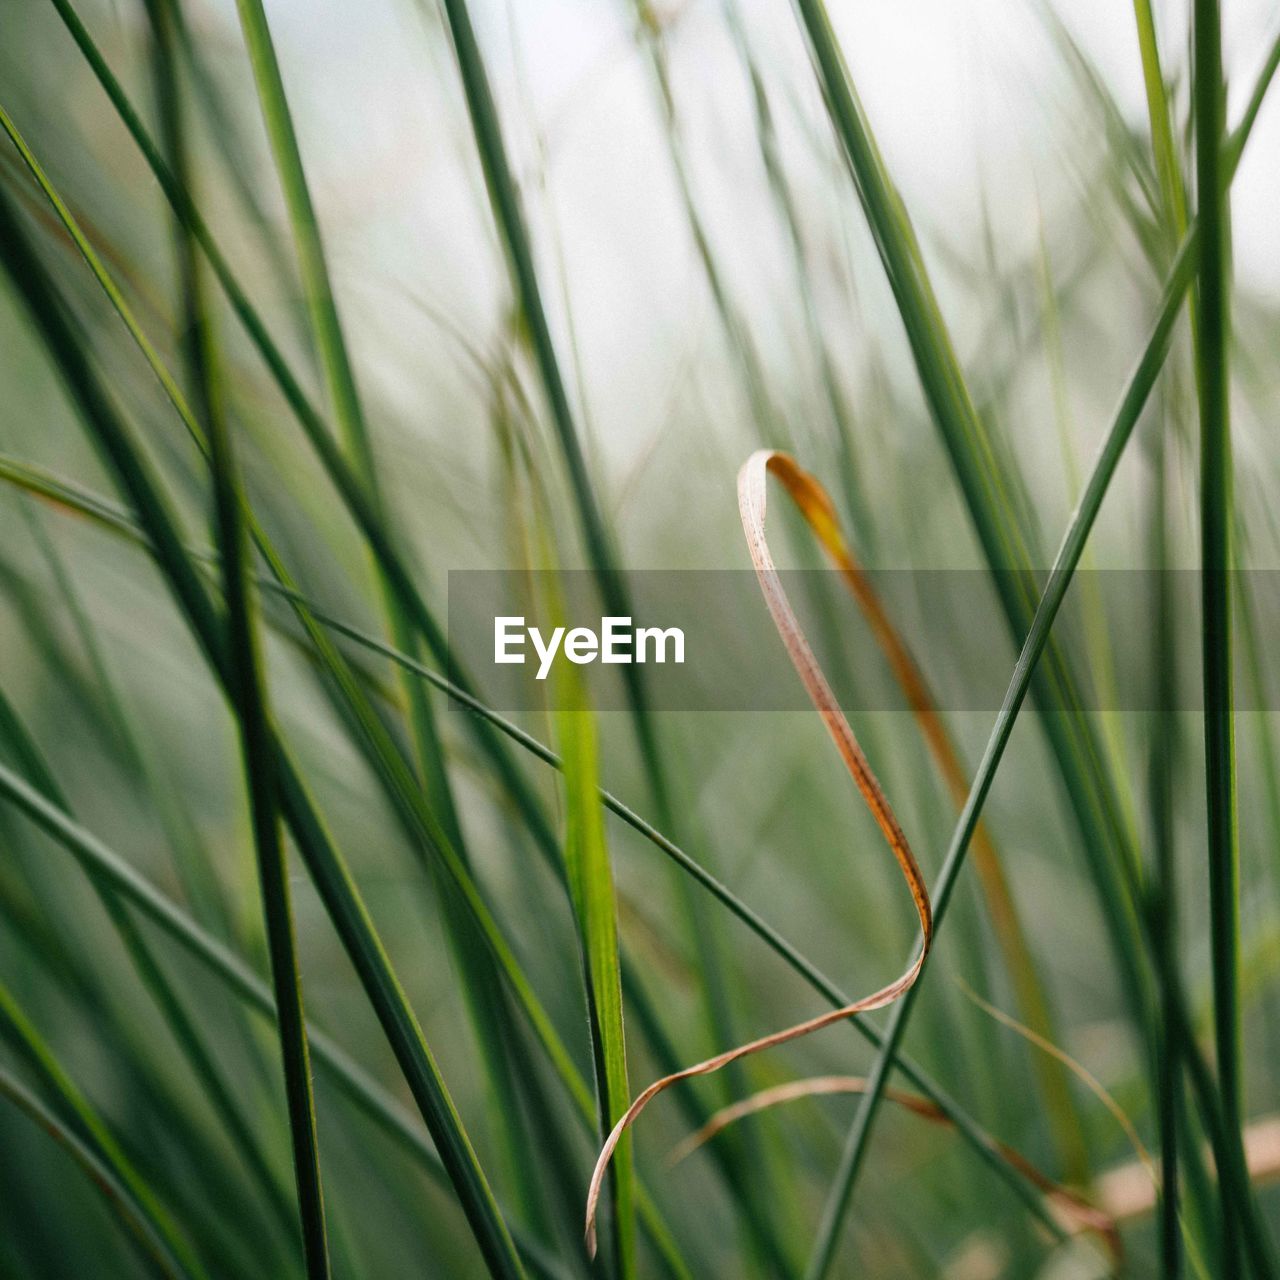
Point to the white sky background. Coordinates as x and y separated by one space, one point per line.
965 96
955 88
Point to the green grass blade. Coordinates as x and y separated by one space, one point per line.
591 888
1213 311
249 696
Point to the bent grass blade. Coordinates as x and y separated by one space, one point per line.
818 512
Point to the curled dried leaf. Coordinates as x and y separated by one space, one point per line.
818 511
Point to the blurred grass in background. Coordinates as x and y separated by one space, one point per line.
305 306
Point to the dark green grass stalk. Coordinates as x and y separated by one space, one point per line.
245 670
1163 900
1213 313
249 697
329 871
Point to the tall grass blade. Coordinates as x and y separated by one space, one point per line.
1164 745
591 887
1213 311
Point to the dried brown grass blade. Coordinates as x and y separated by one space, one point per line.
817 509
1078 1069
1075 1212
1005 923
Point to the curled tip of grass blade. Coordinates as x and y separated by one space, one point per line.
1078 1213
819 512
997 894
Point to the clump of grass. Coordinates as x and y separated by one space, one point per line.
186 713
